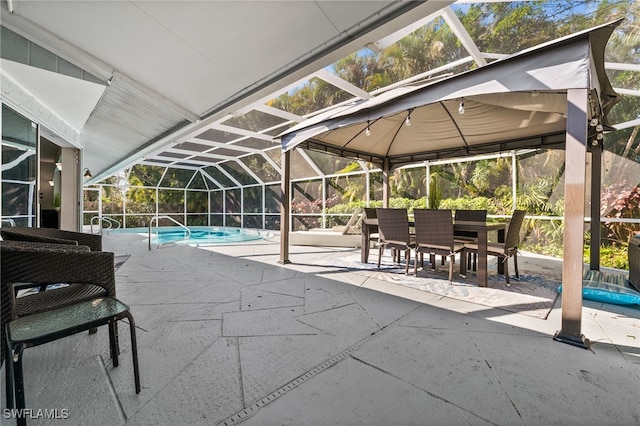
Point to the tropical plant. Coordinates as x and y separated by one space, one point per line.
619 201
56 200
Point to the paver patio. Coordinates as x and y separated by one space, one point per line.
227 335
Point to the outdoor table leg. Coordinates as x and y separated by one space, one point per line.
482 257
364 247
500 240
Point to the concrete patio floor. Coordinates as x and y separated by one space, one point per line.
226 335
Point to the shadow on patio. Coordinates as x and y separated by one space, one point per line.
227 335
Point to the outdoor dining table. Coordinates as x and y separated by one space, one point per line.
480 228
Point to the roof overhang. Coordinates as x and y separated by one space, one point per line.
170 68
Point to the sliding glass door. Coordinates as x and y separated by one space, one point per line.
19 169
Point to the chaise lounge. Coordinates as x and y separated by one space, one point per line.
338 236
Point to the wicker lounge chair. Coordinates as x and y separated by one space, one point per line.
507 249
393 227
93 241
434 235
26 264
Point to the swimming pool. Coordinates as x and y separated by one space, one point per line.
200 235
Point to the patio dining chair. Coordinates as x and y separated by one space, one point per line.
393 229
434 235
507 249
469 236
370 213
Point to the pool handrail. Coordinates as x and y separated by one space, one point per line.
157 218
107 219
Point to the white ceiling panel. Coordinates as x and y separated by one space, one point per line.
344 13
72 99
178 66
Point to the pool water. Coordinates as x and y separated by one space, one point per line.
199 234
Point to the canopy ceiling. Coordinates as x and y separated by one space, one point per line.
517 102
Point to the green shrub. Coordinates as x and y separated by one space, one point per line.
347 208
553 250
469 203
611 256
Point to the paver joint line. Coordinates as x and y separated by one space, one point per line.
244 413
114 393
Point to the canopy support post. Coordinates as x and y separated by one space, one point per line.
385 182
427 166
285 207
574 192
596 183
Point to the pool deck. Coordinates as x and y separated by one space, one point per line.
227 335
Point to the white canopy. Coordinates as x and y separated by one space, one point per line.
515 102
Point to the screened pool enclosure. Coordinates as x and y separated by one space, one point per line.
230 173
533 179
226 170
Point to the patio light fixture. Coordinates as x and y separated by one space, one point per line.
461 107
368 131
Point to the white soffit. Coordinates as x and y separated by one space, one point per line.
71 99
207 49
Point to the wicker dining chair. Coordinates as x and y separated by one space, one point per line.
393 229
507 249
469 236
434 235
374 234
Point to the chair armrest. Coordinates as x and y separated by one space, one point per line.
62 245
42 267
11 235
93 241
